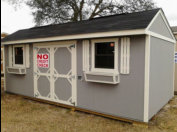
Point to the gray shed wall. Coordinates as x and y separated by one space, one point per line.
161 74
20 84
160 27
125 99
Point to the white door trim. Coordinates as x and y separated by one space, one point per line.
74 74
51 78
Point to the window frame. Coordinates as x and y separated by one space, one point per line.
18 65
93 68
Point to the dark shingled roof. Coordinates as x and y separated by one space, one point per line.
127 21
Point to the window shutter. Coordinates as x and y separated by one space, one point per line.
86 55
27 56
10 55
125 55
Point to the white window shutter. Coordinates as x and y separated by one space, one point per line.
27 56
10 48
86 55
125 55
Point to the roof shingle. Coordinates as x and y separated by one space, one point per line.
129 21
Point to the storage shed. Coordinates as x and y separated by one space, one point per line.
117 66
174 29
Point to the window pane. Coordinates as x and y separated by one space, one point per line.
18 55
104 55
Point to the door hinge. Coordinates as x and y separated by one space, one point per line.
72 102
72 46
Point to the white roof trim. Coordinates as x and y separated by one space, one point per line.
152 21
160 12
168 26
160 36
79 36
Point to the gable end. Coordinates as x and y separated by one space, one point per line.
159 25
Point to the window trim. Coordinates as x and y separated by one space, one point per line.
93 69
125 55
18 65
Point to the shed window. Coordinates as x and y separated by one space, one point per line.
104 55
19 55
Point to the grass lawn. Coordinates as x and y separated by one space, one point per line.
22 115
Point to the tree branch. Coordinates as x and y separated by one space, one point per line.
96 7
81 7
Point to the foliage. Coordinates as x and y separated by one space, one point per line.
61 11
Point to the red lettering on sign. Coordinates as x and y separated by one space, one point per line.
45 56
39 56
43 60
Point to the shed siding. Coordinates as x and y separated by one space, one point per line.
125 99
161 74
159 26
176 70
20 84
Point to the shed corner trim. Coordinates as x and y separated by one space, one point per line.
146 79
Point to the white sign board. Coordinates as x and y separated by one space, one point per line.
43 60
176 57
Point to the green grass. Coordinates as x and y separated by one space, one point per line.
22 115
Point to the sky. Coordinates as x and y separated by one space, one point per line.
15 19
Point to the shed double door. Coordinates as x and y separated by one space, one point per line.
55 73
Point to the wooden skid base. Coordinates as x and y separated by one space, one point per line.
135 123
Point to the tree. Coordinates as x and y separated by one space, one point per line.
62 11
